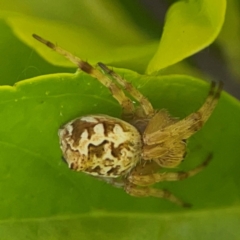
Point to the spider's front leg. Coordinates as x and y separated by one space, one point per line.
117 93
145 104
186 127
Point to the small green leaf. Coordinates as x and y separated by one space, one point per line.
190 26
42 199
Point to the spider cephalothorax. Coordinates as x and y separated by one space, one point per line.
129 153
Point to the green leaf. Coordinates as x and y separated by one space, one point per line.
190 26
42 199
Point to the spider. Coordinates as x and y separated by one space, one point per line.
128 153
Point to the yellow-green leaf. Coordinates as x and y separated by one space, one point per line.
190 26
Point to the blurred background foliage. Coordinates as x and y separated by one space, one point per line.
123 34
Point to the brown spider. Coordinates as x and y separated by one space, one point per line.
129 153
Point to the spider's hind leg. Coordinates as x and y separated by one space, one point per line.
136 191
152 178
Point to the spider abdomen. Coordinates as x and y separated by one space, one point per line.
100 145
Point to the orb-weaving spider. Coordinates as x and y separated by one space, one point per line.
129 153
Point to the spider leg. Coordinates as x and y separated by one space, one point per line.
167 154
136 191
186 127
118 94
144 102
146 180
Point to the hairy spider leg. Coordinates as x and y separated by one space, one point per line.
128 87
167 155
144 191
137 191
149 179
186 127
118 94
